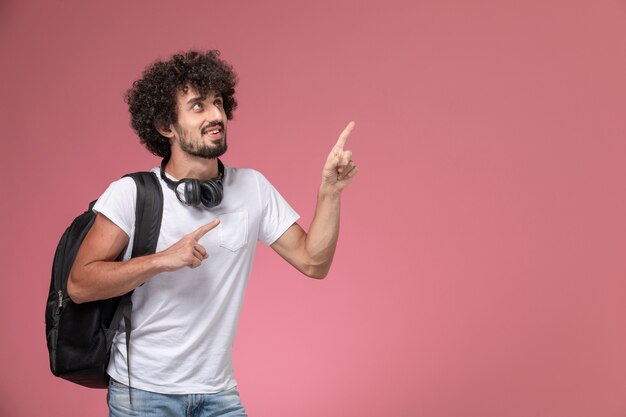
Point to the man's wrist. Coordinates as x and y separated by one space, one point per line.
329 191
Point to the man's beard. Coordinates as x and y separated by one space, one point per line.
202 150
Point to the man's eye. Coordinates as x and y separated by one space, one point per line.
197 106
219 103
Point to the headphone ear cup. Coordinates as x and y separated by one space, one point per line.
192 192
211 193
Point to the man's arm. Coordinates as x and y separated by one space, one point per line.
96 275
312 253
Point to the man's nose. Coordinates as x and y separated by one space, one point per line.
215 113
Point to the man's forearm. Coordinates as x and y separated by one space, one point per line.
100 280
95 276
321 240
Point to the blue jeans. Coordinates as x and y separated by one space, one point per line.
145 403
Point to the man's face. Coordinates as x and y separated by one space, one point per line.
201 126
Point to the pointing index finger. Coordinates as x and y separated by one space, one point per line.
343 137
203 230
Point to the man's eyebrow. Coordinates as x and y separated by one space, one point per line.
195 99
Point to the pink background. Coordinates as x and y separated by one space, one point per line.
481 268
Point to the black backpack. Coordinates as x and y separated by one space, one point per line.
79 336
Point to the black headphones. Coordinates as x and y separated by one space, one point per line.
206 193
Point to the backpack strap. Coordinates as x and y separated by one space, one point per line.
148 216
148 213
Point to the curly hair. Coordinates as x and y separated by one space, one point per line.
152 99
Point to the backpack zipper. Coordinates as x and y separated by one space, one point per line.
60 301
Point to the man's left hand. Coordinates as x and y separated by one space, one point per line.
339 169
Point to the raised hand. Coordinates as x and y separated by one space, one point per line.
187 252
339 169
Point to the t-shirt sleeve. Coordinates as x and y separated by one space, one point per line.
118 204
277 215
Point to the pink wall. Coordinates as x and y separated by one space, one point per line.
481 268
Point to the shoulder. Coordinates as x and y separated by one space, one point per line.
118 203
123 184
235 172
243 174
122 188
126 186
239 176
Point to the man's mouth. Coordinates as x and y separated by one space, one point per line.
212 130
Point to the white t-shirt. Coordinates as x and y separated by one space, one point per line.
184 322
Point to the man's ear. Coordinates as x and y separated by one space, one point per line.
165 131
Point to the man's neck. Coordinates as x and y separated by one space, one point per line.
188 166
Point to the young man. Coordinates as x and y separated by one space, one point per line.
188 294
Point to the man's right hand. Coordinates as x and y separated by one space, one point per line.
187 252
